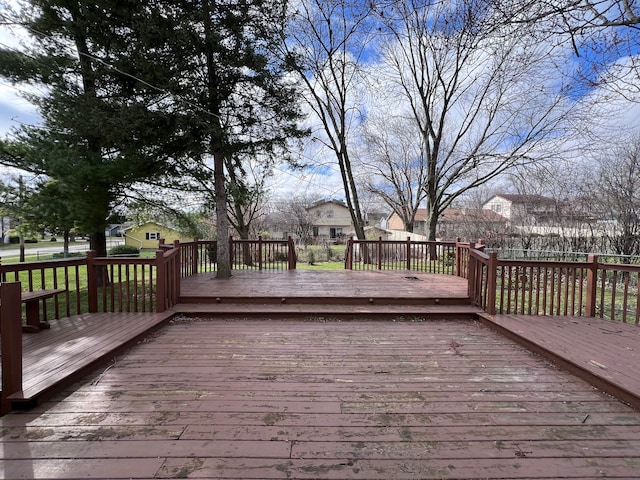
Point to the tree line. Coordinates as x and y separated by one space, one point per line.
418 101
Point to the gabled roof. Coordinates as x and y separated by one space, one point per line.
459 214
524 199
320 203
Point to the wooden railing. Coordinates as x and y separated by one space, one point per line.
590 288
76 286
428 257
200 256
101 284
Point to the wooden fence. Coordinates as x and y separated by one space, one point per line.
200 256
427 257
589 288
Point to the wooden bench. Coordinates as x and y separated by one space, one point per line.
31 301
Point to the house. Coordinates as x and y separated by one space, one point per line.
394 222
470 224
330 219
524 209
467 223
147 235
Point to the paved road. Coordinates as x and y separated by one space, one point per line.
54 248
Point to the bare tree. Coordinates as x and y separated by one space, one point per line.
294 216
476 89
601 31
395 170
330 37
617 188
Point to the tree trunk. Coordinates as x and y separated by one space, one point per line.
98 242
65 247
222 221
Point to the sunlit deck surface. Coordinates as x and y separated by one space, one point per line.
244 395
325 400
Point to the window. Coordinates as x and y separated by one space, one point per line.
335 232
153 235
316 231
329 213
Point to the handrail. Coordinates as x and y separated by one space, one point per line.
412 255
531 287
200 256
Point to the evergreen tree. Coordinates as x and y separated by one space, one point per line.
233 98
99 120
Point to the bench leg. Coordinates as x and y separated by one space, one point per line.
33 318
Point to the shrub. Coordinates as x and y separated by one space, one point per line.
124 250
69 255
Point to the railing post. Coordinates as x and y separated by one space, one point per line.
92 282
259 252
471 274
592 284
348 259
10 342
292 253
161 282
408 253
194 257
177 268
379 253
492 276
232 254
458 258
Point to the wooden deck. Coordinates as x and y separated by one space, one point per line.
231 399
73 346
242 393
327 294
602 352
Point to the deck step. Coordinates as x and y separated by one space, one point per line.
323 300
333 309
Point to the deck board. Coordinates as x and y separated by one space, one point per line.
74 344
602 352
295 285
247 398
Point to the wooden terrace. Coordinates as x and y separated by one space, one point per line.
262 376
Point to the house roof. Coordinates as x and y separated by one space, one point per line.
320 203
460 214
150 222
516 198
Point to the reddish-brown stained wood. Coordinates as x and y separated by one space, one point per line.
237 398
601 351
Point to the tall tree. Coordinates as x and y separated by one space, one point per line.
332 37
226 69
468 83
97 121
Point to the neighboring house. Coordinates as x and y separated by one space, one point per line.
148 235
116 229
470 224
330 220
524 209
394 222
465 223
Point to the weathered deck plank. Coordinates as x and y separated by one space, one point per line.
600 351
325 400
298 285
72 346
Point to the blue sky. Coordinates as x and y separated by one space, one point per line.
623 116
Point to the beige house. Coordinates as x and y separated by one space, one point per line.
330 220
148 235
